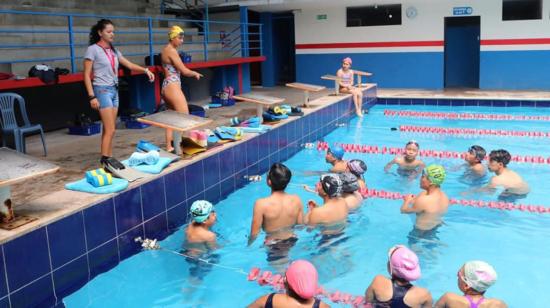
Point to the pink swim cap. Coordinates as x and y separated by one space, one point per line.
347 59
404 263
301 277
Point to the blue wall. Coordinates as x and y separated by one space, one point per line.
515 70
391 70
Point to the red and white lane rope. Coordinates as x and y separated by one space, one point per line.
463 116
277 282
472 131
374 149
508 206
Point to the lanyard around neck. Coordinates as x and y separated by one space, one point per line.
110 55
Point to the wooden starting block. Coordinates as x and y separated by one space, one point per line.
306 88
360 74
260 100
177 121
16 167
336 80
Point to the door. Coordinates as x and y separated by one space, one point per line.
462 52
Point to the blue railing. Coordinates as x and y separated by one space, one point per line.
231 40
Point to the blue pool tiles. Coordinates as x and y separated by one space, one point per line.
43 266
462 102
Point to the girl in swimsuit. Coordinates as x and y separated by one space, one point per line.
346 85
171 86
473 279
301 287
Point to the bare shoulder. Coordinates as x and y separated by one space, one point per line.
495 303
296 199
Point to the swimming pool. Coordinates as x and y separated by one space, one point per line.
512 241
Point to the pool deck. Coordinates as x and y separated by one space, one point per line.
465 94
46 198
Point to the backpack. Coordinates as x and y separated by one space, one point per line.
44 72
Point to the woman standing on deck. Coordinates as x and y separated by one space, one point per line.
101 63
171 86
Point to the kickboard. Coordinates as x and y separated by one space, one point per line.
16 167
305 86
173 157
18 221
174 120
129 174
259 99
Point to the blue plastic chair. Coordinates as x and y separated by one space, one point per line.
8 122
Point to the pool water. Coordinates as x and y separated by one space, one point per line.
515 243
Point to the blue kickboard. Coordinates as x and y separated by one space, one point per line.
84 186
154 169
260 129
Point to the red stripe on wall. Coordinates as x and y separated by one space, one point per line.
371 44
529 41
532 41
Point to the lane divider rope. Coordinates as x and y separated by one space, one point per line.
383 150
463 116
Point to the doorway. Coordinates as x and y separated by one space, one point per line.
462 52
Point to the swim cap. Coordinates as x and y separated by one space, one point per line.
347 59
349 182
332 184
174 32
337 152
478 151
200 210
435 173
413 142
301 277
403 263
479 275
357 167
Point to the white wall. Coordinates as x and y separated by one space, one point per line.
427 26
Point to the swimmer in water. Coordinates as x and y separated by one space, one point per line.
474 158
334 157
200 242
432 203
331 217
397 291
199 238
277 215
408 164
300 289
514 185
350 190
474 278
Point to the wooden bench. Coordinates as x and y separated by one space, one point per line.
306 88
177 121
260 100
16 167
336 80
360 74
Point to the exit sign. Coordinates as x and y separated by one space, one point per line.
462 10
322 17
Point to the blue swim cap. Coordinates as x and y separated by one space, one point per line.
200 210
337 152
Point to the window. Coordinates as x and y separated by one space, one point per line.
521 9
373 15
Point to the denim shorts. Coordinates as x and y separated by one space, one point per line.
107 96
